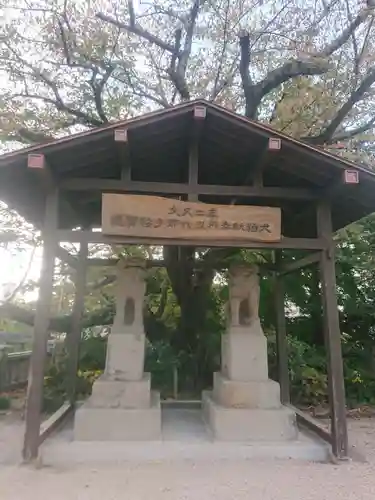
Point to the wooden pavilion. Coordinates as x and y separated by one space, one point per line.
196 151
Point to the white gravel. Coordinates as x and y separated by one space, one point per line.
179 480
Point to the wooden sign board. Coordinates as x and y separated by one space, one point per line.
156 217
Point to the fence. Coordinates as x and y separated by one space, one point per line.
14 366
14 369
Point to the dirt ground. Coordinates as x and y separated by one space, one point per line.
186 480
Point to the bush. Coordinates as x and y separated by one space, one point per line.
307 367
4 402
91 365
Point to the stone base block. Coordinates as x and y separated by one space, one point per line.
121 394
233 424
237 394
244 355
125 356
119 424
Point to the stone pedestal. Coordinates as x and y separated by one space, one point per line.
244 404
122 406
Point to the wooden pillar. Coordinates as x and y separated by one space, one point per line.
332 335
281 339
199 117
41 328
74 335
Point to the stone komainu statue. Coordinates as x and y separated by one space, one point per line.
243 295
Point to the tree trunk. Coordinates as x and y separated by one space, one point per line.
192 288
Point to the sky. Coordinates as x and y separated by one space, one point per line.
13 268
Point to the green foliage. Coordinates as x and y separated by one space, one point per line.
92 353
91 365
5 402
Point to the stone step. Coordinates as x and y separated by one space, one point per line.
108 393
118 424
239 394
243 424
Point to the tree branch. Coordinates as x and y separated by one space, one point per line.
176 72
60 324
290 69
14 292
27 136
345 35
58 101
311 64
179 76
349 134
97 88
246 80
179 57
328 134
137 30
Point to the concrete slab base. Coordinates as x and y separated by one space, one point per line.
263 394
108 393
244 424
184 437
118 424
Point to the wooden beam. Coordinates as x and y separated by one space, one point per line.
257 173
311 424
281 338
65 256
115 185
37 163
326 193
74 338
96 262
273 145
54 421
37 361
98 237
332 335
306 261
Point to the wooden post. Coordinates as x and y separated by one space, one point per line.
74 336
332 335
199 117
122 139
281 340
41 327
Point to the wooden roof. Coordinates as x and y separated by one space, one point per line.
230 149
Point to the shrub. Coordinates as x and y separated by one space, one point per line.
4 402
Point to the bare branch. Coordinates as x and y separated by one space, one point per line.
27 136
177 46
137 30
357 95
345 35
97 88
366 40
247 83
312 64
291 69
58 101
131 12
178 76
349 134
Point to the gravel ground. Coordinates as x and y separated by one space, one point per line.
224 480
